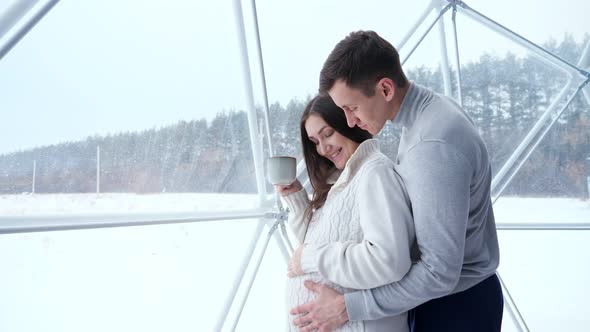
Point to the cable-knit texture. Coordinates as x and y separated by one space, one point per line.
337 221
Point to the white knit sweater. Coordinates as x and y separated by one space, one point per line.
360 238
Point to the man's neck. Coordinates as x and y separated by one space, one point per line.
398 98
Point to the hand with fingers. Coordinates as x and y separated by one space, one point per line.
326 313
285 190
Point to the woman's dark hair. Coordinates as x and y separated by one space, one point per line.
318 167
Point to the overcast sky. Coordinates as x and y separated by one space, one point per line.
97 67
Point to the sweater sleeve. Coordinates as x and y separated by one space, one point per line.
437 178
297 203
383 256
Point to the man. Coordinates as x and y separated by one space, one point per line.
452 285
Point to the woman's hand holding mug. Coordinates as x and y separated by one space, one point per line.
288 189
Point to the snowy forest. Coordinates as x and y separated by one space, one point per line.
504 94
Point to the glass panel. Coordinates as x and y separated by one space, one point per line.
545 276
268 292
284 124
138 98
298 36
157 278
507 90
559 166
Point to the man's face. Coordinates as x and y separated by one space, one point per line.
368 113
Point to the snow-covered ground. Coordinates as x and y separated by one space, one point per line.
175 277
27 204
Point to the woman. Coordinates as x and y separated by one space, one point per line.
357 229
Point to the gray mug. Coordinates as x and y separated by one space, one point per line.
281 170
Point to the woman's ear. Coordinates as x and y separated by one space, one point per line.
386 88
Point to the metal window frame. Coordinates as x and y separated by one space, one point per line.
15 15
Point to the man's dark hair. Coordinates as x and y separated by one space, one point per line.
361 60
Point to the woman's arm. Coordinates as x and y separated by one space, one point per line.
297 201
383 256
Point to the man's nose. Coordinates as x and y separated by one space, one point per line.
351 120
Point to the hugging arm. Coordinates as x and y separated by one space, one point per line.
439 189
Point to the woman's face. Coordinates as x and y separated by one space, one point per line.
329 143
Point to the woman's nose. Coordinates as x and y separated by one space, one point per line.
325 149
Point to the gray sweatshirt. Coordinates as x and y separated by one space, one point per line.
445 166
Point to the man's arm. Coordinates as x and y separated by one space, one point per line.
437 178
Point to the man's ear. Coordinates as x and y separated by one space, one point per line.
386 88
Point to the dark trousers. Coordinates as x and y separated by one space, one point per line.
477 309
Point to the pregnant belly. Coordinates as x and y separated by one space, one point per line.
297 294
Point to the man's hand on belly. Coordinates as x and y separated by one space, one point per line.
326 313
